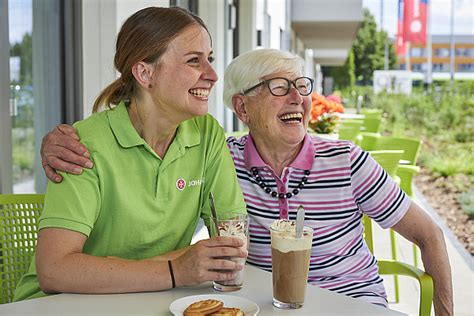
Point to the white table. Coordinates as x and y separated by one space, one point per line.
257 288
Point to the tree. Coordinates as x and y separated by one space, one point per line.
25 51
369 48
344 75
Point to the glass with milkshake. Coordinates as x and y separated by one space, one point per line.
232 225
290 263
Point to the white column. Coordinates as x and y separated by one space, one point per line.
99 29
213 13
247 25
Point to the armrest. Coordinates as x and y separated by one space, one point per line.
406 173
424 280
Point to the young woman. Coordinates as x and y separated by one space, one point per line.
125 225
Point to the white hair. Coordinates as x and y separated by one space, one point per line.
248 69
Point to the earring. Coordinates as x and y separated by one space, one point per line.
150 86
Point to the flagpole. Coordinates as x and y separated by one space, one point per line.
385 50
429 51
451 54
407 56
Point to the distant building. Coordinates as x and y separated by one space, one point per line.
463 60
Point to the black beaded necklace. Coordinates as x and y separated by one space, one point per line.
273 193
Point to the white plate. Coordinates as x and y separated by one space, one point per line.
248 307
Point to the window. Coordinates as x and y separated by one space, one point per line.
466 67
442 52
440 67
417 52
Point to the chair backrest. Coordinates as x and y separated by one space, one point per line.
351 122
388 159
410 146
372 124
19 214
368 140
348 132
372 113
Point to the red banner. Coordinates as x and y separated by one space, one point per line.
400 42
414 21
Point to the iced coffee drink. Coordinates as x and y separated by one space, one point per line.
290 263
232 225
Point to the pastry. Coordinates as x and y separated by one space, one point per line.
204 307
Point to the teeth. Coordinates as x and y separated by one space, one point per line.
291 116
202 93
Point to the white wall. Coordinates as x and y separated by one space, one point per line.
101 21
213 14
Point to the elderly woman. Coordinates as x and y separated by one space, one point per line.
280 166
125 225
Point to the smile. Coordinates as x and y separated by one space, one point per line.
200 93
292 117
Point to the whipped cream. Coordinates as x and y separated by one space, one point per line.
233 230
284 236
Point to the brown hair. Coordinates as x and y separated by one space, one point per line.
144 36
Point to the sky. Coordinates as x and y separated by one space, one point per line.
20 18
440 16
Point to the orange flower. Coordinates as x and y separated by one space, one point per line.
322 118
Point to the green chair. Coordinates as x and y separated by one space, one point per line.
406 171
367 140
373 113
372 124
19 214
410 146
393 267
351 122
389 159
348 132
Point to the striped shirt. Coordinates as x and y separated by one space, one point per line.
344 183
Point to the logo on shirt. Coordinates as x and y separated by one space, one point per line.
180 184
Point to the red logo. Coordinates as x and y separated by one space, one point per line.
180 184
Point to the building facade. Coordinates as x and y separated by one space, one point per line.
441 60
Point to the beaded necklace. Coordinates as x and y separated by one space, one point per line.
273 193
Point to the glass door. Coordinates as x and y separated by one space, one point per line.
22 105
32 87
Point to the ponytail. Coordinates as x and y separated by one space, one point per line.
114 93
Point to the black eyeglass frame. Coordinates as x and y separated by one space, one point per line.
290 82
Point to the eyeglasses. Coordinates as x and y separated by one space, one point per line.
280 86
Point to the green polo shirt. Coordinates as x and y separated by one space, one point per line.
133 204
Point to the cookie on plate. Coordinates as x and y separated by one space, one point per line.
204 307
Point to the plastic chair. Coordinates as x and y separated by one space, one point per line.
348 132
367 140
19 214
389 159
411 148
372 124
373 113
393 267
